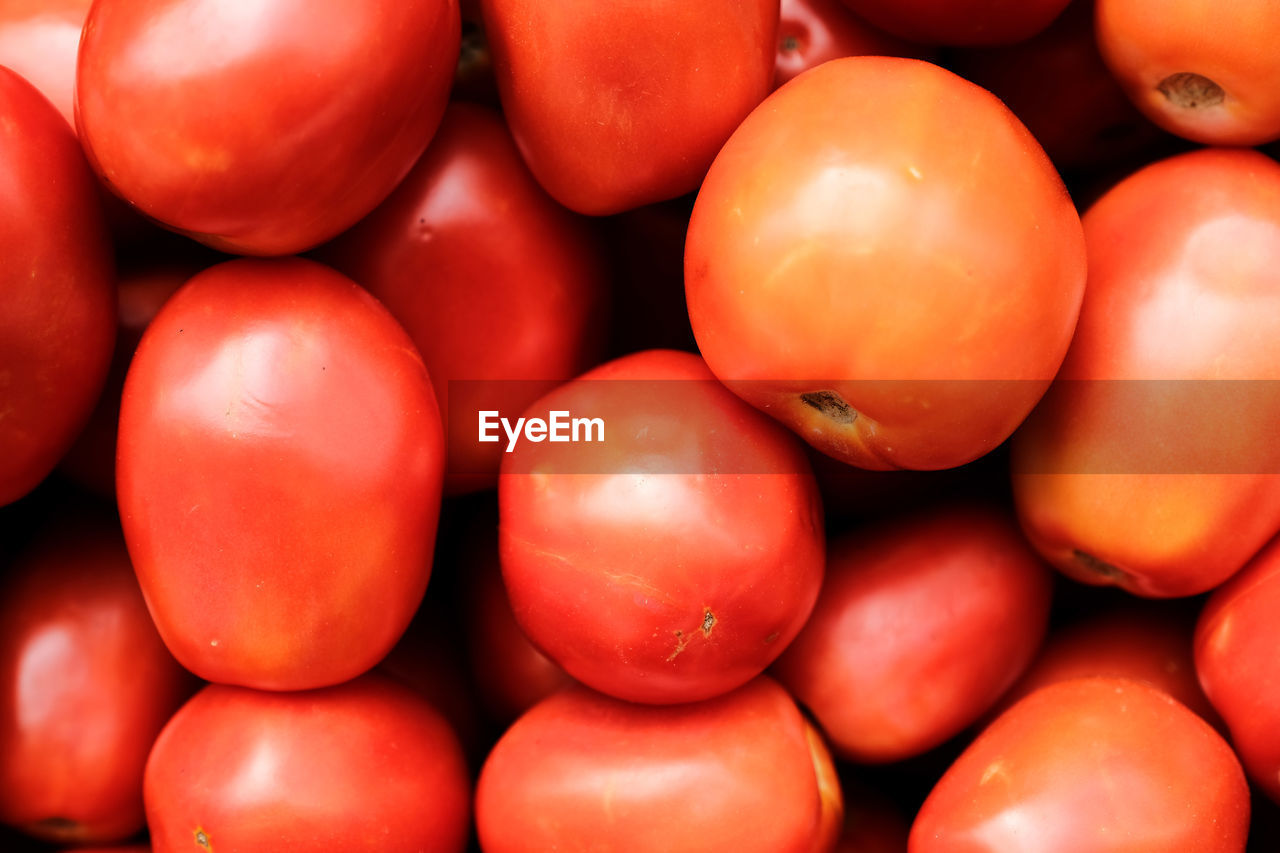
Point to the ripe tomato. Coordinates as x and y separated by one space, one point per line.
898 655
57 292
1195 71
262 128
635 99
279 474
365 766
960 22
673 561
583 772
1137 641
39 40
811 32
492 279
1152 463
884 259
86 685
1099 764
1235 655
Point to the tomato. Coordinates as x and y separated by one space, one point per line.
811 32
365 766
39 40
263 128
899 654
1058 85
57 289
279 474
493 280
85 686
1136 641
581 771
635 99
960 22
884 259
1235 658
1194 71
1152 463
1097 764
677 558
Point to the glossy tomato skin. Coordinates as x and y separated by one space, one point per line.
674 561
898 301
279 474
1194 71
900 654
635 99
57 288
364 766
1235 658
1152 462
1098 764
960 22
811 32
581 771
85 686
262 129
39 40
495 282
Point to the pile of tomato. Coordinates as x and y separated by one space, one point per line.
772 426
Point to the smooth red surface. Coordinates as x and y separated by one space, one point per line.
1101 764
884 232
85 686
1236 641
682 561
279 474
263 128
631 104
57 288
39 40
921 624
960 22
582 772
365 766
1145 42
811 32
493 280
1166 486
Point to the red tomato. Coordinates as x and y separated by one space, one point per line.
875 237
143 286
583 772
57 294
1195 71
1058 85
493 280
899 654
365 766
960 22
1137 641
279 474
1152 464
39 40
811 32
262 128
1097 764
1235 654
85 687
675 560
635 99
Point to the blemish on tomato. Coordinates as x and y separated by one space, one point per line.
831 405
1101 568
708 621
202 839
1190 91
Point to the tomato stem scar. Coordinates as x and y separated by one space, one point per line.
830 404
1190 91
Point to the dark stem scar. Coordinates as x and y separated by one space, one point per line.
202 839
831 405
1101 568
1191 91
708 621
